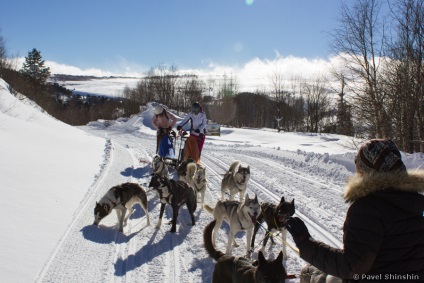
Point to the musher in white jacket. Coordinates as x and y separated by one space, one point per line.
198 124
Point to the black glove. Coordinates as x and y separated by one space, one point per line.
201 135
297 229
179 128
161 130
197 131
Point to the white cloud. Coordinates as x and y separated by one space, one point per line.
253 75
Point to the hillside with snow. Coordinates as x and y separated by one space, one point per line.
52 174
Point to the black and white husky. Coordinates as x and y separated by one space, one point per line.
239 216
235 180
121 198
159 166
276 217
174 193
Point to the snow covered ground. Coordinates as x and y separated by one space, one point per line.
52 174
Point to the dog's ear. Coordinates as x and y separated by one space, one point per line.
292 202
282 200
246 198
280 257
261 258
256 198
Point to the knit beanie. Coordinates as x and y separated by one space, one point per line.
379 155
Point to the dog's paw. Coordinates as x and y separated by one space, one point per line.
173 230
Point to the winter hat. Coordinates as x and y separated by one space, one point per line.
158 109
379 155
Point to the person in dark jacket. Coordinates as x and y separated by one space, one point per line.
383 236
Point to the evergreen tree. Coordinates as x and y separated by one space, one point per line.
34 68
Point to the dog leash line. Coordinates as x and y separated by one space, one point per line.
284 242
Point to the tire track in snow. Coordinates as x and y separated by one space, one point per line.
84 242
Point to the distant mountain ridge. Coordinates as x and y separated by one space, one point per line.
64 77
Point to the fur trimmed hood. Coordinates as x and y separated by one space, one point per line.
360 186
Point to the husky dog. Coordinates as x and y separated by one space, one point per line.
239 215
311 274
121 198
230 269
194 175
275 217
235 180
186 170
199 181
159 166
174 193
182 169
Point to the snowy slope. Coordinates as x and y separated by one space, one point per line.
52 174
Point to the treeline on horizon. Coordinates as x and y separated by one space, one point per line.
379 90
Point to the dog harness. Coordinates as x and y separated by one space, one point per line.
115 204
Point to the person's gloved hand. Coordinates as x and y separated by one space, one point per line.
201 135
168 129
197 131
297 229
179 128
161 130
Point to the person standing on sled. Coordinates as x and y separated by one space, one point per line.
163 121
194 144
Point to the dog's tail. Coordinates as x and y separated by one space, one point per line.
191 170
208 208
233 166
207 239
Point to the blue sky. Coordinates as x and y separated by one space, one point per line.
192 34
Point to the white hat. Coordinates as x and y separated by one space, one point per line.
158 109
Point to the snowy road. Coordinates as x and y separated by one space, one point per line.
87 253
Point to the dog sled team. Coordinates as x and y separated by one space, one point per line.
383 195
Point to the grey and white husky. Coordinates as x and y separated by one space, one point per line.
195 176
121 198
235 180
159 166
239 216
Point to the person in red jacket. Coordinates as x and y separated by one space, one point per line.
383 236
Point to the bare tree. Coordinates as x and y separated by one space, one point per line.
277 89
2 48
317 103
359 43
405 73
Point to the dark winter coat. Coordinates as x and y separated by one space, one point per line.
383 231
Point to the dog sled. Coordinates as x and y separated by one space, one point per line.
175 148
172 148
